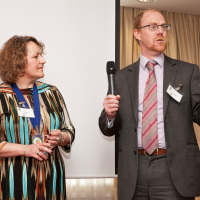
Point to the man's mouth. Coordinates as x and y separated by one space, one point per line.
160 39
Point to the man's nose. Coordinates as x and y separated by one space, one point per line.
160 30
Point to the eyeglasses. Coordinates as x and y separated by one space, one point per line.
154 27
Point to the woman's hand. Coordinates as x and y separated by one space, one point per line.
38 151
54 138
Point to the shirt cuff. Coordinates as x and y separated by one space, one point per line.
110 122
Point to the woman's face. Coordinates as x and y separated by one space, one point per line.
35 62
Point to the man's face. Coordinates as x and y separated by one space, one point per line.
152 43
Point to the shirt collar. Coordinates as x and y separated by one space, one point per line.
159 60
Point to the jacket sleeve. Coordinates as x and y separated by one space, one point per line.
103 125
195 94
67 125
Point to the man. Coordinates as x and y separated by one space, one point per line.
158 154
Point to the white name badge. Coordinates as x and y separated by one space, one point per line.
25 112
174 94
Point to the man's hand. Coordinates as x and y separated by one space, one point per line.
111 105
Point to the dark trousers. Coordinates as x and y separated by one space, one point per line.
154 180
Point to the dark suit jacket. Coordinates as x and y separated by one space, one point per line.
183 153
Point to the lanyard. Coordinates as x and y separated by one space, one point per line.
34 121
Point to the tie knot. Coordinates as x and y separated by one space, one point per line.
151 64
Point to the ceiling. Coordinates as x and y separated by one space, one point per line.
178 6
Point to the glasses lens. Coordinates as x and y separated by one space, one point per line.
166 27
153 27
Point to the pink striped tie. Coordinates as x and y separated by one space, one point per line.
149 115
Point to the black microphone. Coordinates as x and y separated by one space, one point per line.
111 77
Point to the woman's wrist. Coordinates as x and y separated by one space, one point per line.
62 138
69 138
25 146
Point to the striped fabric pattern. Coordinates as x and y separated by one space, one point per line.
24 178
149 115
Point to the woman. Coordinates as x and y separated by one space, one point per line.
34 122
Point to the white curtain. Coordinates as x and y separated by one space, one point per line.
90 189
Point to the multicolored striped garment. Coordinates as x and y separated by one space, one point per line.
23 177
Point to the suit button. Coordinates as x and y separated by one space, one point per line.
135 152
135 129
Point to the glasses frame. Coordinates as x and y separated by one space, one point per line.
156 26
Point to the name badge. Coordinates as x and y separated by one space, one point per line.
174 94
25 112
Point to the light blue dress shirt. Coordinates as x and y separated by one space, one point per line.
143 76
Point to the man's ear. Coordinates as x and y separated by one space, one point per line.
136 34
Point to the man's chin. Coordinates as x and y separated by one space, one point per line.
159 48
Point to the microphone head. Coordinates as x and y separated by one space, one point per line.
110 67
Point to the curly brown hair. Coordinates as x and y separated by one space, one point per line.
13 57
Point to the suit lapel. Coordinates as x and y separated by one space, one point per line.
133 77
169 76
133 80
